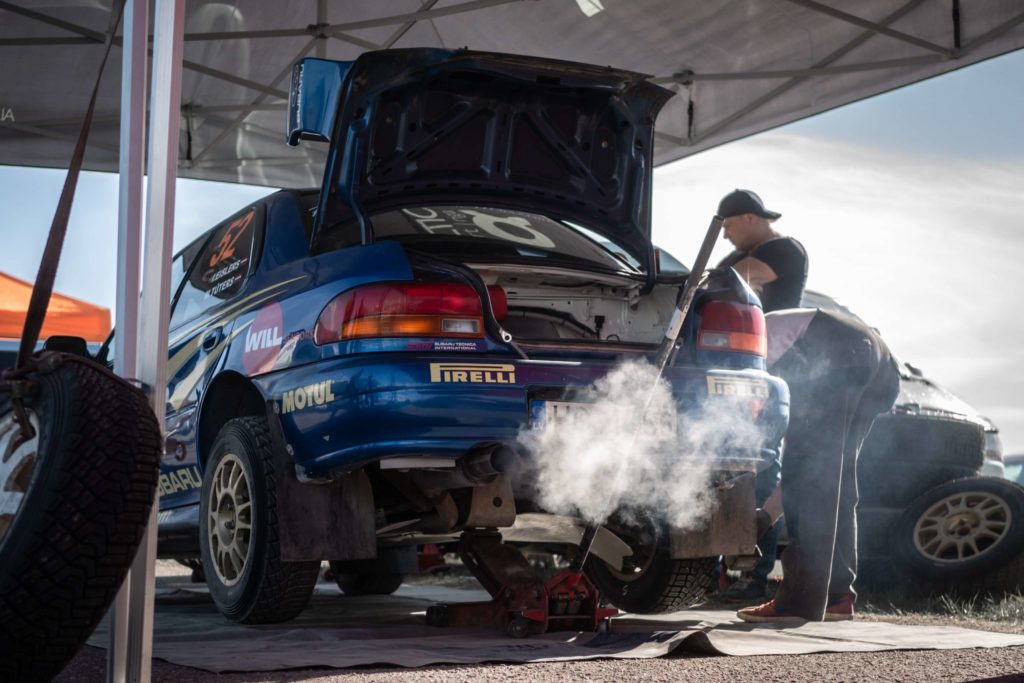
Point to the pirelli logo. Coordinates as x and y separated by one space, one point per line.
473 373
738 387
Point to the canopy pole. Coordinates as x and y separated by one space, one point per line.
164 107
129 230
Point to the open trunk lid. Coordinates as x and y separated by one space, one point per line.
426 126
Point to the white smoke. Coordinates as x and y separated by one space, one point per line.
631 450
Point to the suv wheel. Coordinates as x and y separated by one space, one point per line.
962 529
238 532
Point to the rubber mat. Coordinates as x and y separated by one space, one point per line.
339 631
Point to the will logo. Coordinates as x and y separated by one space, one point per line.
473 373
317 394
263 340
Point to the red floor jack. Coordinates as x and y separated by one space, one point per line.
523 604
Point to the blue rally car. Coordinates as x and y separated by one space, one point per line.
349 368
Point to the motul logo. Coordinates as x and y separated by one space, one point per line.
262 339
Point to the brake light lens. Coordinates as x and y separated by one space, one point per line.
402 309
728 326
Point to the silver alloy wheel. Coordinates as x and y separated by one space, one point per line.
17 462
962 526
229 520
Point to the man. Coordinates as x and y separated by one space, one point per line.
840 376
775 266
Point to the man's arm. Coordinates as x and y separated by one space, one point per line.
756 272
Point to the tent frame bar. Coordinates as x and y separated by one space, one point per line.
873 26
827 60
131 170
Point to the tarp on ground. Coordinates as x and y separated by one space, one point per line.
65 315
738 66
339 631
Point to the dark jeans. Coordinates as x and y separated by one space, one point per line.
840 375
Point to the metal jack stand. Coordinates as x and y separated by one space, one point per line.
522 604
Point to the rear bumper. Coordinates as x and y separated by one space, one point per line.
341 414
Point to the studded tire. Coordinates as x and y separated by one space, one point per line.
238 531
84 488
658 584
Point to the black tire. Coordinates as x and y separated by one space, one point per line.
261 589
381 583
898 483
86 497
961 530
660 584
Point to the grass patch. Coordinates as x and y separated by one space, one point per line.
1005 608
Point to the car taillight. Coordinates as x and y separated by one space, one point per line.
728 326
402 309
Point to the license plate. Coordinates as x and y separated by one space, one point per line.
555 410
560 410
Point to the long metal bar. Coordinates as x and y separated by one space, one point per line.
404 28
810 72
873 26
994 33
56 135
321 20
44 42
227 108
257 130
169 20
775 92
129 231
254 162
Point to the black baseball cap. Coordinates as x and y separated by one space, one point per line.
739 202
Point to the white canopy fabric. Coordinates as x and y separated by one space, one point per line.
738 66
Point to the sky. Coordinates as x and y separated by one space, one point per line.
908 203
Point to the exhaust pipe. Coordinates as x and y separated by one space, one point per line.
482 464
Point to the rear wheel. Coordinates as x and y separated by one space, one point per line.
238 531
650 580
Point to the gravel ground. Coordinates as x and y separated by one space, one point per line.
930 665
927 665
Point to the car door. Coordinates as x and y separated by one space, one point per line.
215 270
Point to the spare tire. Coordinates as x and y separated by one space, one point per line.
74 502
961 530
651 581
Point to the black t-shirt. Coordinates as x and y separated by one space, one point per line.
788 259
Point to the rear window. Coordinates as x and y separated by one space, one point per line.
491 233
221 269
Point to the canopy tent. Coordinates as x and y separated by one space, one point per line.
738 66
64 316
220 73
